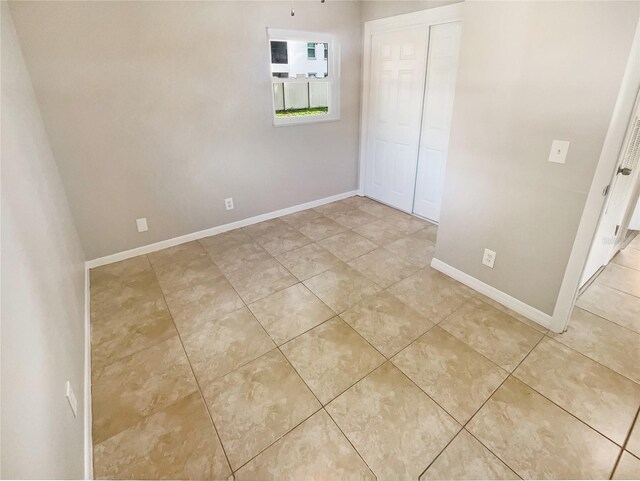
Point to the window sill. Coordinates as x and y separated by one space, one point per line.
286 121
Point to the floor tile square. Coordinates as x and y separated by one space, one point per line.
117 298
387 323
219 243
466 458
298 219
612 304
321 228
353 218
315 450
537 439
454 375
180 254
598 396
239 257
308 261
628 258
290 312
383 267
189 307
130 331
331 358
406 223
431 293
114 274
177 442
267 227
377 209
603 341
221 345
341 288
429 233
418 252
288 241
356 201
628 467
512 313
128 390
347 245
256 280
177 276
379 232
622 278
396 428
491 332
333 208
256 404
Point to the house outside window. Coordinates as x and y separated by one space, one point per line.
305 82
311 50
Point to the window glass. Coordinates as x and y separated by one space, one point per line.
296 59
305 77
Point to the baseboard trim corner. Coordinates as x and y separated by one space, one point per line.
156 246
505 299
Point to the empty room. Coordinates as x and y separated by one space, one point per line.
317 240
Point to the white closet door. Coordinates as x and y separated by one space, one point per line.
442 66
398 61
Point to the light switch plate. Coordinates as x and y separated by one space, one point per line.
142 224
71 397
559 150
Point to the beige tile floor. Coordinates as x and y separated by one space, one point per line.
322 346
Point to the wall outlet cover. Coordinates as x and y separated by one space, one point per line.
489 258
559 150
142 224
228 203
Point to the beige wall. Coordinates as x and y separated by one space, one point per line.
530 72
375 9
163 109
42 278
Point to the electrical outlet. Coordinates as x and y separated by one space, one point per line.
559 150
142 224
228 203
489 258
71 397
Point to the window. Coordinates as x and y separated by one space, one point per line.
305 77
279 52
311 50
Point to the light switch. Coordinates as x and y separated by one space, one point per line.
559 149
71 398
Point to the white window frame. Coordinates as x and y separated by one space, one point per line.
332 78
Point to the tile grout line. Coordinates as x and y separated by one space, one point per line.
624 444
246 306
193 373
464 426
323 407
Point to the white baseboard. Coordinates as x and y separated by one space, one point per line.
120 256
88 436
505 299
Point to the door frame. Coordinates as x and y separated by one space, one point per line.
607 163
604 256
432 16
